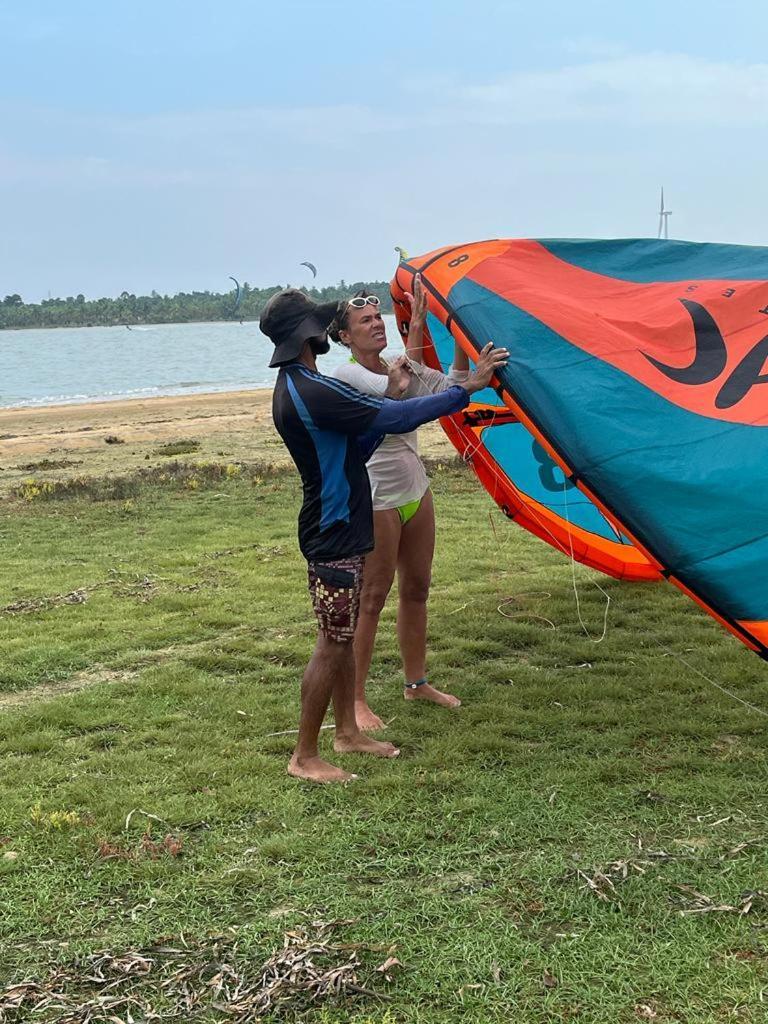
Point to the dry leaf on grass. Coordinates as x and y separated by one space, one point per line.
166 983
695 902
390 965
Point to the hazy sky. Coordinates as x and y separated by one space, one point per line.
168 144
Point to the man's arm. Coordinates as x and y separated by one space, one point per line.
402 417
409 413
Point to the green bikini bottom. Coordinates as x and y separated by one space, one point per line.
408 511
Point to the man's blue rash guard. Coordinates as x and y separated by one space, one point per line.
401 417
331 430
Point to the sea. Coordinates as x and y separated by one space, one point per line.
67 366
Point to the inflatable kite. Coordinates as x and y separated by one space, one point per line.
630 426
238 295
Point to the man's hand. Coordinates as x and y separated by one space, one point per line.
490 360
399 377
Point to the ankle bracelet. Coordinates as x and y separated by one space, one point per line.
416 685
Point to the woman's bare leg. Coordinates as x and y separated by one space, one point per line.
414 571
379 573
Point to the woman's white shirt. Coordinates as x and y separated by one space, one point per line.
395 470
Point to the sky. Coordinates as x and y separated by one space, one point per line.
166 145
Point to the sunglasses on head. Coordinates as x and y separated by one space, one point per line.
361 301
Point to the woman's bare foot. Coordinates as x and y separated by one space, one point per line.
366 719
362 744
427 692
315 769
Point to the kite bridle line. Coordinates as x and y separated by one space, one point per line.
671 654
558 544
573 579
472 449
718 686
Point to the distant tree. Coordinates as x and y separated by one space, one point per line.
162 309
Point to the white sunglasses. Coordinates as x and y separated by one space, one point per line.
361 301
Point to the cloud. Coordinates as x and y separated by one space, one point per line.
328 147
46 146
652 88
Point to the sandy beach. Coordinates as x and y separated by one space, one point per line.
55 442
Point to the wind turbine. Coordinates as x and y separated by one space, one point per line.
664 216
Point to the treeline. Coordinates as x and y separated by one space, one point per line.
128 309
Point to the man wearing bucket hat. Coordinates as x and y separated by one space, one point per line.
330 430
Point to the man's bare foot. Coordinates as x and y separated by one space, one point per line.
362 744
366 719
315 769
427 692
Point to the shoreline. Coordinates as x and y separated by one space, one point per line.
120 399
122 435
127 405
130 327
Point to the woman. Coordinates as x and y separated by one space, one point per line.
403 513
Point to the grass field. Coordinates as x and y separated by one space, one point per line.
584 840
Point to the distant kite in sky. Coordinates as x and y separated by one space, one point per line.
238 295
310 266
630 428
403 253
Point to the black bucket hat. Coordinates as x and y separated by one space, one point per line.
290 319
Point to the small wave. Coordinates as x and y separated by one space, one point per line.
159 391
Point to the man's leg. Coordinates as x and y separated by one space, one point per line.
379 573
316 689
414 571
335 588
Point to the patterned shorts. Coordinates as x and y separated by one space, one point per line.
335 590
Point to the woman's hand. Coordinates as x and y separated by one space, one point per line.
490 360
399 377
414 344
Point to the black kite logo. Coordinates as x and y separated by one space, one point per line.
710 360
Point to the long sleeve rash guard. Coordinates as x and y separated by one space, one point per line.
400 417
330 430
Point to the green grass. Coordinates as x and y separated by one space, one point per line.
569 762
182 447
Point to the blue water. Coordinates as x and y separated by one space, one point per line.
86 364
